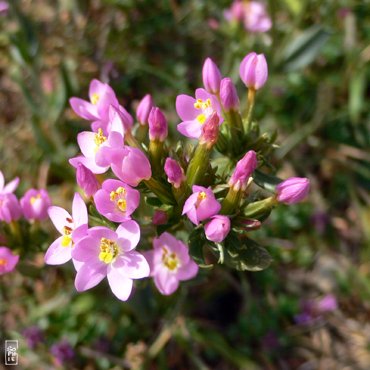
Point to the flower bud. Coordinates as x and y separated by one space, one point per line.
159 217
244 168
292 190
229 96
35 204
10 209
210 130
158 128
217 229
8 260
211 76
86 180
143 109
254 71
174 172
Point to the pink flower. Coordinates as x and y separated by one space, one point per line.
8 260
10 209
108 253
170 263
116 200
217 229
201 205
143 109
174 172
101 97
244 168
158 128
72 229
293 190
256 18
35 204
236 11
210 130
10 187
211 76
327 303
228 95
254 71
4 7
194 112
86 180
159 217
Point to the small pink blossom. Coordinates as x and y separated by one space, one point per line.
228 95
8 188
4 7
107 253
256 18
10 210
158 128
194 112
211 76
175 173
210 130
293 190
254 71
8 260
170 263
116 200
144 108
35 204
72 228
201 205
86 180
244 168
217 229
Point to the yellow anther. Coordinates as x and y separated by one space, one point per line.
170 260
108 250
95 98
201 118
3 261
33 199
118 196
67 230
99 138
202 195
122 205
66 241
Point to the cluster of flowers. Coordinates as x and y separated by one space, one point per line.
32 206
252 14
138 163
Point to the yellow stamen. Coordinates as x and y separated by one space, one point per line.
200 104
122 204
66 240
3 261
201 118
99 138
108 250
33 199
170 260
119 196
95 98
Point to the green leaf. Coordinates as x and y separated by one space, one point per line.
303 49
153 201
196 244
265 181
247 255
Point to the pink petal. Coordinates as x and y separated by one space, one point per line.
60 218
88 163
185 107
190 203
188 271
57 254
192 129
87 250
11 186
79 211
132 265
2 181
120 284
129 235
89 276
166 281
84 109
86 142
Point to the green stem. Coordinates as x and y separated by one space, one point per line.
198 165
249 110
159 190
156 155
230 202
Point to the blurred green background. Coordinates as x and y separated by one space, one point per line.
317 97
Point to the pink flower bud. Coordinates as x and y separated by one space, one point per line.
210 130
293 190
35 204
159 218
244 168
10 209
174 172
254 71
4 7
211 76
158 128
8 260
86 180
217 229
229 96
143 109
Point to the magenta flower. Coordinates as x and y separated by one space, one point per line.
143 109
217 229
210 130
254 71
158 128
86 180
170 263
236 11
194 112
228 95
10 187
4 7
35 204
256 18
101 97
109 253
244 168
175 173
211 76
293 190
8 260
327 303
72 228
116 200
10 209
201 205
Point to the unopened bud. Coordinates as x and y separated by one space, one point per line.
244 168
143 109
158 128
211 76
292 190
174 172
229 96
86 180
254 71
210 130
